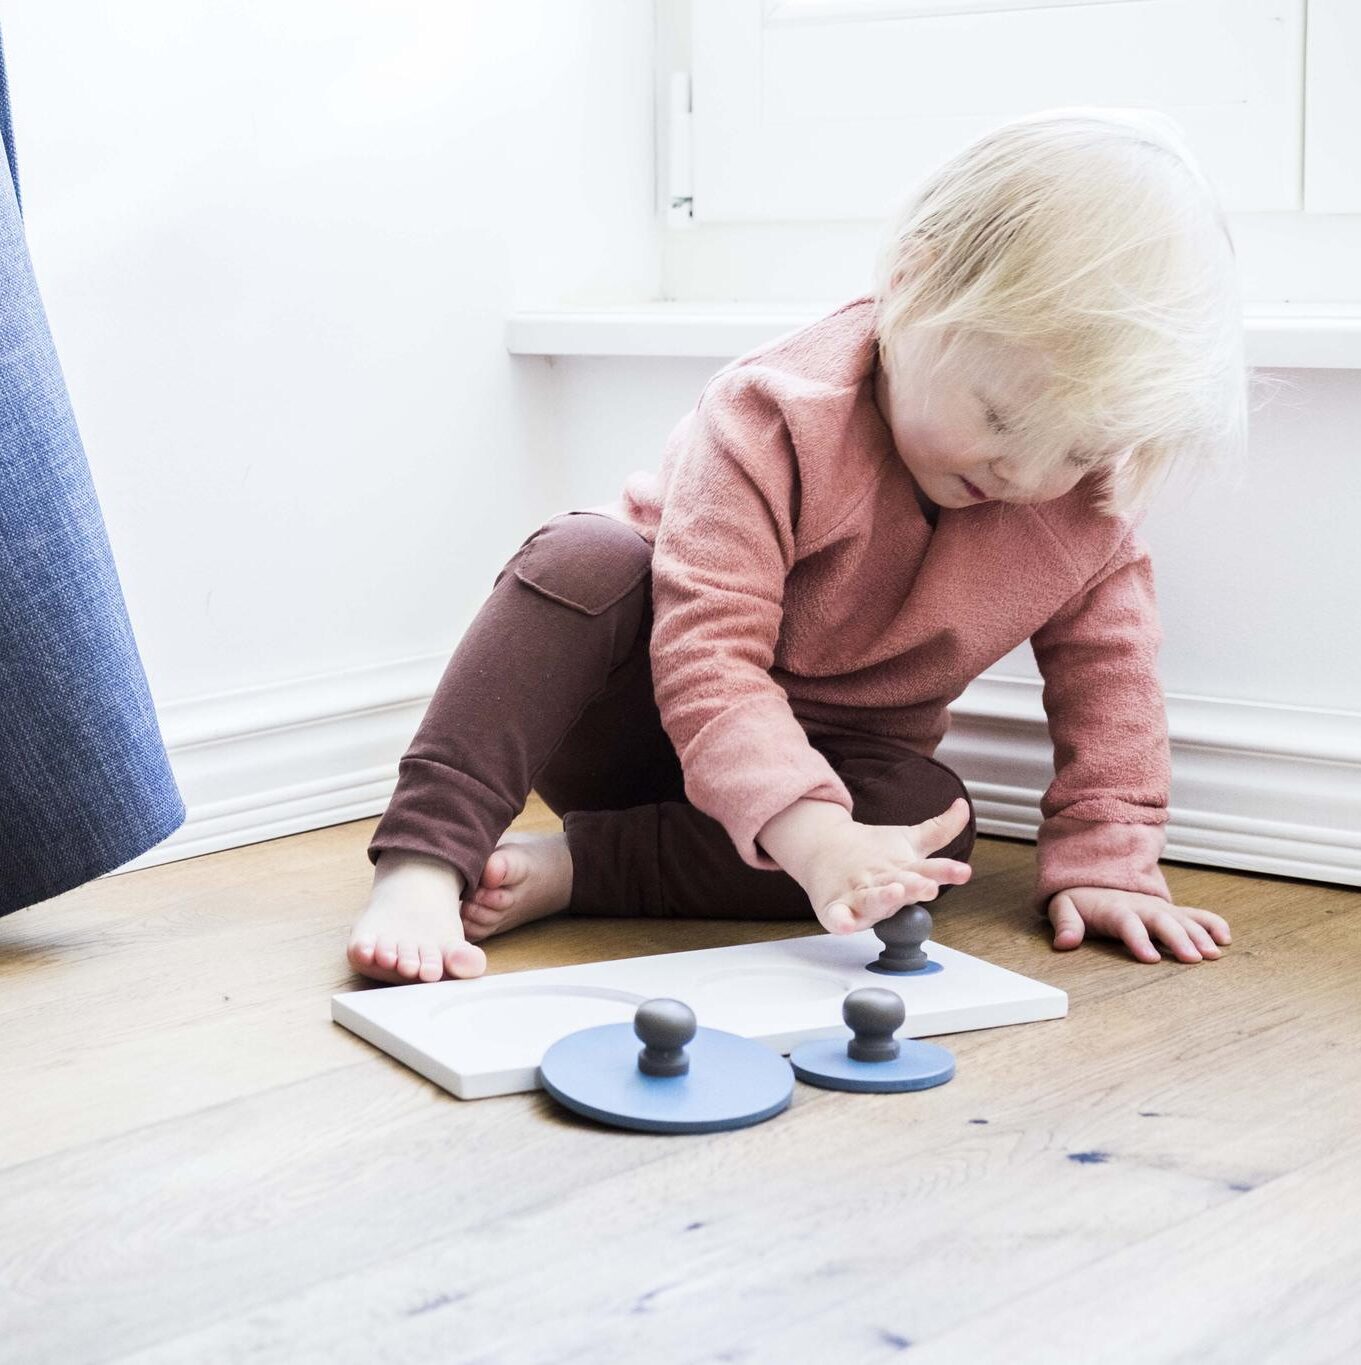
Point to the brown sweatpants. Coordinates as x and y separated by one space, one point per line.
551 689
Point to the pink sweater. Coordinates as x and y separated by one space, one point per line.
799 589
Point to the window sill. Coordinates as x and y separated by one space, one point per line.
1282 335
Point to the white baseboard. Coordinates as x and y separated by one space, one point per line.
269 761
1256 786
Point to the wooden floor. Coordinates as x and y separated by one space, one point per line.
197 1165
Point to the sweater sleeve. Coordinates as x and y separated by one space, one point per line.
724 545
1104 812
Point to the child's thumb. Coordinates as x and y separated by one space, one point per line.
954 817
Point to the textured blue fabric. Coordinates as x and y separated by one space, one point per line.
85 783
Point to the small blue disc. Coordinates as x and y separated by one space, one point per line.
918 1066
732 1082
929 970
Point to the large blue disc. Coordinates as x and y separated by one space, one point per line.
918 1066
732 1081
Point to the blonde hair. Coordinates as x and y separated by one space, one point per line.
1093 235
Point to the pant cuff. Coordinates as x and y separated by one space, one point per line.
440 811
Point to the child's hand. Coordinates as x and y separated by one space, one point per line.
859 874
1190 933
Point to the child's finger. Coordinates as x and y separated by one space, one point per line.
945 870
940 829
1174 934
912 887
839 918
1218 927
1135 935
1200 936
874 902
1068 925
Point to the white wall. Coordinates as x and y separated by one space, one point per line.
277 245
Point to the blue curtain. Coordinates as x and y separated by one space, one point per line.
85 784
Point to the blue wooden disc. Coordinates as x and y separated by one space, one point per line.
929 970
918 1066
732 1081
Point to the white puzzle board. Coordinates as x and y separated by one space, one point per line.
486 1035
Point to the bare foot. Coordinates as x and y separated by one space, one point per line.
411 929
527 877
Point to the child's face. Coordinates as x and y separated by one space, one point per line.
949 426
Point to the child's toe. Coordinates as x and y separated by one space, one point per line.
360 953
432 963
385 954
516 862
494 870
408 960
465 959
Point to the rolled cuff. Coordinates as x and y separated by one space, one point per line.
440 811
1073 852
751 762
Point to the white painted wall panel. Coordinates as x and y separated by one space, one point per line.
1332 181
803 113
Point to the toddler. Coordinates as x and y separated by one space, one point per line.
730 682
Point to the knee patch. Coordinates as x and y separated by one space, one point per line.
586 561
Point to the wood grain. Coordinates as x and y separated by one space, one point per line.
195 1164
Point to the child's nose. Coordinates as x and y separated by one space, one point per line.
1012 481
1006 479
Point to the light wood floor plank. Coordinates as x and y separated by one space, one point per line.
1205 1300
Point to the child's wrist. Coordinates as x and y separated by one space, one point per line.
792 837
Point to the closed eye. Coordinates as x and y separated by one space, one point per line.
995 421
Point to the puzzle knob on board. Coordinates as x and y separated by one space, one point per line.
665 1026
873 1059
601 1073
902 936
874 1016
